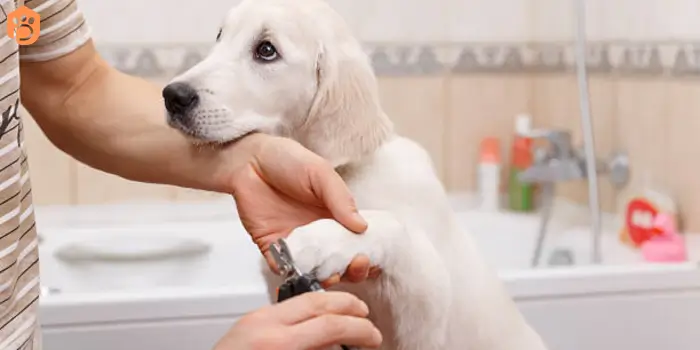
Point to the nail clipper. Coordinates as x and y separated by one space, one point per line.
295 282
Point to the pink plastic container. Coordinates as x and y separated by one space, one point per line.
668 246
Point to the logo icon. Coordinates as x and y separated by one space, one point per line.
23 25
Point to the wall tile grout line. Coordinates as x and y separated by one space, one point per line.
624 58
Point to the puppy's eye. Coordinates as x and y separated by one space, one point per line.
218 36
266 52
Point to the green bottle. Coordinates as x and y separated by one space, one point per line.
520 194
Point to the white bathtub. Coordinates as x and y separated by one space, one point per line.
187 303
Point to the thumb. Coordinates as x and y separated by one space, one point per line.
331 189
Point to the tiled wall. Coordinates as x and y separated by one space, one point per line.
452 72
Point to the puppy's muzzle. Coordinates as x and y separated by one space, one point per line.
180 100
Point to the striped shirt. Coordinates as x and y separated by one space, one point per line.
63 29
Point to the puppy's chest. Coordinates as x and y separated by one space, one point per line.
398 178
381 186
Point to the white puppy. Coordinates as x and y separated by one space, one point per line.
293 68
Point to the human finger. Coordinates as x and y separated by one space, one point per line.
333 280
330 188
358 270
329 330
374 272
310 305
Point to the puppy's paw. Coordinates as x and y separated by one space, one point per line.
325 247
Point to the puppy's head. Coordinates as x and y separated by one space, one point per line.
285 67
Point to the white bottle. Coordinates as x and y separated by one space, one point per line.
489 174
523 124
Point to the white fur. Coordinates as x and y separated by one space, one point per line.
435 292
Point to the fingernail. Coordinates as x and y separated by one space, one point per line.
365 308
377 337
359 218
365 273
358 269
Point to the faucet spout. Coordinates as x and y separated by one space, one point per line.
553 171
535 174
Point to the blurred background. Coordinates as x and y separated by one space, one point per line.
451 73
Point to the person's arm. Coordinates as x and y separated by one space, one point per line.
104 118
116 123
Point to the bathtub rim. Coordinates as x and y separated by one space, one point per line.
230 302
155 305
590 280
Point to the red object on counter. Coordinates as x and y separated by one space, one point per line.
639 219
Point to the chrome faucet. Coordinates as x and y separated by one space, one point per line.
559 162
562 162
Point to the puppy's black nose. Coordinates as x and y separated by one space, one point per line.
180 98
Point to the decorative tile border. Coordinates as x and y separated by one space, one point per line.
680 59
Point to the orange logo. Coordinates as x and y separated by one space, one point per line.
23 25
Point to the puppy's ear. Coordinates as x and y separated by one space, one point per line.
346 120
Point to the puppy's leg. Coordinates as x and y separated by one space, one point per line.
414 282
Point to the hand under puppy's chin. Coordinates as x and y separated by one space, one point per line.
216 141
203 138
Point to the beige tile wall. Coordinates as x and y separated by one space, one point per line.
481 106
652 119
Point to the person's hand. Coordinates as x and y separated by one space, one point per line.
284 186
309 321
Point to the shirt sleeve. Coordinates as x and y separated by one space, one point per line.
62 30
